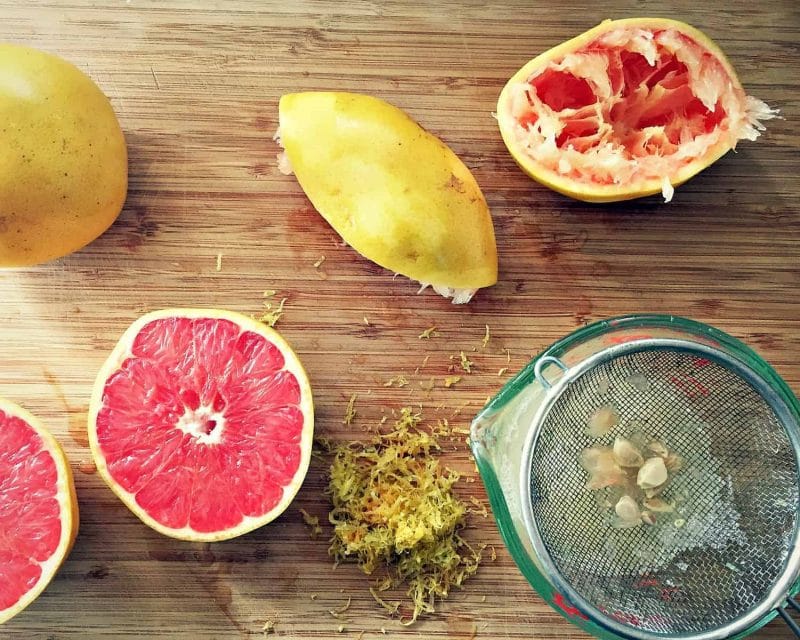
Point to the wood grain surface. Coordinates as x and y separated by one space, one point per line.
196 86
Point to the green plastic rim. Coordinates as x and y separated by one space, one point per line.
734 347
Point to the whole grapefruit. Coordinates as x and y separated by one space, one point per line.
63 160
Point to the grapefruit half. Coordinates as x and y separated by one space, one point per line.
38 508
202 421
628 109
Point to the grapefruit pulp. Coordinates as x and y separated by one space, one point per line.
628 109
38 508
201 421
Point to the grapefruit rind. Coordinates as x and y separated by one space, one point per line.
394 192
68 508
122 350
747 126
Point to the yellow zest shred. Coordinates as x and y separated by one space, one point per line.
393 508
427 334
319 262
313 596
269 627
366 322
271 315
508 355
351 412
219 262
486 337
344 607
480 509
466 363
493 555
449 381
313 522
502 371
400 381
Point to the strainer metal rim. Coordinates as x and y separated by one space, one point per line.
791 571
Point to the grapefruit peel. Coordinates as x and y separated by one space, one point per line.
627 109
189 423
394 192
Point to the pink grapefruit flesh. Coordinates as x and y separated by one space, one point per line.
202 423
38 510
627 109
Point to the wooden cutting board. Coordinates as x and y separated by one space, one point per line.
196 85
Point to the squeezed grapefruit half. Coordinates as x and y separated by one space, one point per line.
38 508
202 421
628 109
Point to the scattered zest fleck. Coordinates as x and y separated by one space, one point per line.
493 555
351 412
313 596
366 322
502 371
428 334
344 607
466 363
483 598
508 355
486 337
340 628
449 381
399 381
219 262
313 522
271 315
319 262
269 627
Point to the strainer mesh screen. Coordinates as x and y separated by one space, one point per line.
718 555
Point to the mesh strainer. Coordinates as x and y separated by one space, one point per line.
728 555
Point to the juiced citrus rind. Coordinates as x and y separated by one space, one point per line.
394 192
68 503
598 193
122 350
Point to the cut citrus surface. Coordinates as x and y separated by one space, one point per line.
628 109
202 422
38 508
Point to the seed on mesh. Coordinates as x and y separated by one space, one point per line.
652 474
626 454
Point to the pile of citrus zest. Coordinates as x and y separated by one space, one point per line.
312 522
393 510
427 334
351 412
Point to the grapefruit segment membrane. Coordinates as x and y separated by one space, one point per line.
201 422
629 108
38 509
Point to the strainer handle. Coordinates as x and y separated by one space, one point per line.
541 363
787 618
